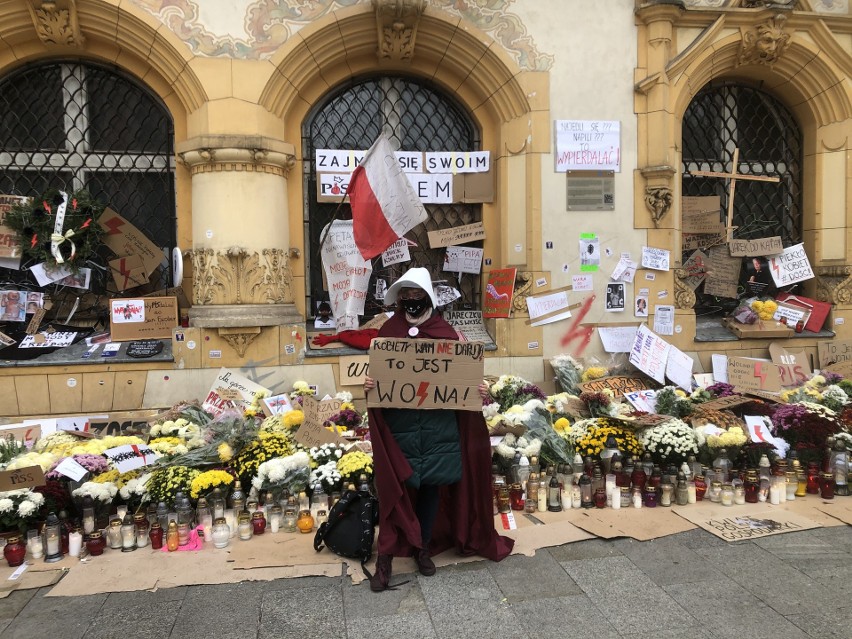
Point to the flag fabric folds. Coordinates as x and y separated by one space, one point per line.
384 204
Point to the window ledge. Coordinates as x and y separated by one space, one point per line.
73 356
710 329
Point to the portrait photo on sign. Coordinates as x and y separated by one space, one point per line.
615 296
641 308
758 279
13 306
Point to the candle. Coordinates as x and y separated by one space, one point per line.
36 548
120 511
615 498
53 544
274 524
75 543
690 491
231 520
774 495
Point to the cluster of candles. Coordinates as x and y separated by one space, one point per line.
641 483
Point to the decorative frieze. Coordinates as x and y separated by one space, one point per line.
237 276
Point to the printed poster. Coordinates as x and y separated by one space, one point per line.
590 252
498 292
791 266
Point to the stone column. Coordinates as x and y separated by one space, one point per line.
240 235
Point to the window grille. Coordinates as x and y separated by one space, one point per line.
74 125
722 117
417 117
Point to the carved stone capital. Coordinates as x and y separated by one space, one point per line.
396 24
764 43
56 22
658 200
239 338
834 284
215 153
237 276
684 295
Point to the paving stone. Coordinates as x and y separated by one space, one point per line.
359 601
522 578
302 612
553 617
66 617
15 602
463 602
825 624
148 621
699 538
839 536
673 633
223 611
589 549
666 561
414 625
138 598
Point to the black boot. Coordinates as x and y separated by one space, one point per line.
380 580
424 562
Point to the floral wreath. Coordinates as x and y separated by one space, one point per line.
76 240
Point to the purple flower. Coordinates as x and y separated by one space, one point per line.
832 378
95 464
721 389
533 391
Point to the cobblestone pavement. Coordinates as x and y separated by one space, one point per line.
690 585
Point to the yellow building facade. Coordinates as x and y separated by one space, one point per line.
240 81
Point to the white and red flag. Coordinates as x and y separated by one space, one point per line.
384 204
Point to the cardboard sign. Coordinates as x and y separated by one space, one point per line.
29 477
319 411
240 391
649 354
457 235
756 374
277 404
692 241
26 434
312 432
752 521
353 370
128 272
794 368
696 269
723 403
838 350
463 259
470 325
131 456
618 384
144 318
124 239
426 373
701 215
843 369
759 247
790 266
396 253
9 246
498 292
723 273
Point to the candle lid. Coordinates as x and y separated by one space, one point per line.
14 539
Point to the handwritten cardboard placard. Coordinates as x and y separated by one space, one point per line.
723 403
426 373
353 369
841 368
457 235
143 318
723 273
545 309
124 239
319 411
29 477
469 324
692 241
25 433
838 350
645 421
756 522
701 215
794 368
756 374
769 397
618 384
312 432
758 247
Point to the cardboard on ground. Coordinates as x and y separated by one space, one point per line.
124 239
161 316
756 374
738 523
426 373
457 235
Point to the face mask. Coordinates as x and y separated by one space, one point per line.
415 308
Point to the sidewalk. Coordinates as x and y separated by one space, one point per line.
691 585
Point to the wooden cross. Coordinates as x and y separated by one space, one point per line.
733 176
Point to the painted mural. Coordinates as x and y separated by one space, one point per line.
255 29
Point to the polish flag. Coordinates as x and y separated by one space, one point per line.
384 204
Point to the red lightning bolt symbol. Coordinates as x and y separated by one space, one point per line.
114 225
421 392
776 268
584 333
760 373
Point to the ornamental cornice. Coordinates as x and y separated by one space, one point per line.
205 154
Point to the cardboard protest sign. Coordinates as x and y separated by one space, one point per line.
756 374
791 266
230 389
618 384
794 368
148 318
9 246
457 235
131 456
347 273
128 272
696 269
498 292
761 246
124 239
25 433
723 273
426 373
723 403
701 215
470 325
463 259
312 432
752 521
353 370
838 350
649 354
29 477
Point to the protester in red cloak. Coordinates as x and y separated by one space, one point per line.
464 518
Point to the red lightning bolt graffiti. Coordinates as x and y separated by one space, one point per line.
421 392
578 332
114 226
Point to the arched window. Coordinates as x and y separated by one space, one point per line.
418 117
77 125
725 116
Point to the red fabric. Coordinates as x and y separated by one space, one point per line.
370 227
356 339
465 517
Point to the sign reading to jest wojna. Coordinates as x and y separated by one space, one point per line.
426 373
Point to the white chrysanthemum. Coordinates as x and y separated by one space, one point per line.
36 498
26 508
491 410
6 505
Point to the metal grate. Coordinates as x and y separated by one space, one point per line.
418 118
74 125
724 116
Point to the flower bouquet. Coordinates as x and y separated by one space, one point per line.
805 426
264 447
100 492
325 453
670 442
514 401
94 464
300 390
19 509
204 483
674 402
327 476
283 422
569 373
554 448
221 438
510 445
592 439
354 464
290 473
165 483
134 492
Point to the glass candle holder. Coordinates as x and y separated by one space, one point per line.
516 497
155 534
114 534
183 534
651 496
289 521
244 526
305 523
258 522
95 543
14 551
827 486
727 495
666 491
221 533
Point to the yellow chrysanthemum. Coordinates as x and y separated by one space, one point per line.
594 372
561 425
207 481
226 453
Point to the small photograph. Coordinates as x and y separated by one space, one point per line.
77 280
615 296
641 309
324 319
13 306
35 301
758 278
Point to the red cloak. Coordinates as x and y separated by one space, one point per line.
465 517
